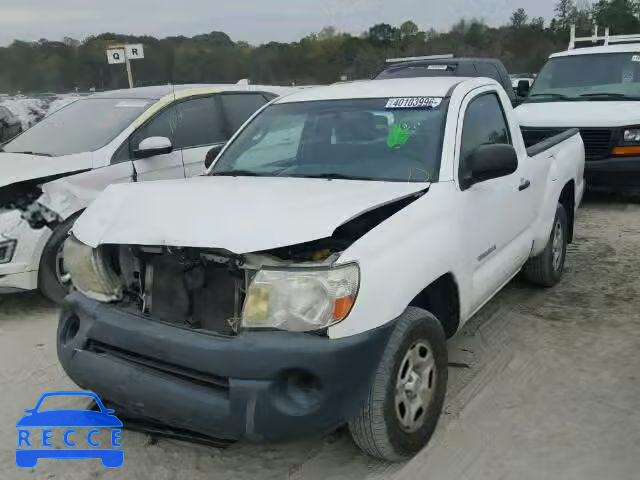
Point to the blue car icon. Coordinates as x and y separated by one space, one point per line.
69 418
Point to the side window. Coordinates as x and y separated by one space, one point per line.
191 123
484 124
164 124
199 123
239 107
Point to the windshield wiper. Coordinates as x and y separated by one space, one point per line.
331 176
237 173
609 95
551 95
37 154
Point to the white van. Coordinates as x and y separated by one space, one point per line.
596 89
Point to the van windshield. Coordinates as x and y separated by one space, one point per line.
368 139
606 76
82 126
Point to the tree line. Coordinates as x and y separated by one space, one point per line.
326 56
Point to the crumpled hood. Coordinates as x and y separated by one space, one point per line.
241 215
579 114
17 167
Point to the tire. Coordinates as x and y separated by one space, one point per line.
378 429
543 270
48 279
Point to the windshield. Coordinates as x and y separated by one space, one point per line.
350 139
587 77
83 126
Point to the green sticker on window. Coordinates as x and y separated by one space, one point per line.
398 136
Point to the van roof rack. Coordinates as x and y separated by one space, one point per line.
428 57
606 38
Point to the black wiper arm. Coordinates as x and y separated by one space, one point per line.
332 176
609 95
236 173
551 95
38 154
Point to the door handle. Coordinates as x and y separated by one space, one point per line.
524 184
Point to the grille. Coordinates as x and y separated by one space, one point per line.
192 376
597 142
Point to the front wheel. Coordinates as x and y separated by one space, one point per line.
407 394
53 279
547 268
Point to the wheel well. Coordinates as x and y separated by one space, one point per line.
442 299
568 201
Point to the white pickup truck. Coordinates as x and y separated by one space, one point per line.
311 278
595 89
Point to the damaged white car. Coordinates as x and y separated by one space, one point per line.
51 172
311 279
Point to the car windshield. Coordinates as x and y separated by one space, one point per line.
82 126
370 139
607 76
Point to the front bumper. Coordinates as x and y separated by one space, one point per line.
618 173
21 273
258 386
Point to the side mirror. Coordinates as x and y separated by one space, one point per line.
212 154
490 161
523 88
152 146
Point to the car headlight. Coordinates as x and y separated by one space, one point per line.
7 249
632 136
301 300
89 271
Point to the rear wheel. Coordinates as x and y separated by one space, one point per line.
407 394
53 279
547 268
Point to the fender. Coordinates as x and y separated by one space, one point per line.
413 248
69 195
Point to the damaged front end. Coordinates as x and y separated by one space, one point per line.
23 197
296 288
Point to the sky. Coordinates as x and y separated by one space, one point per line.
255 21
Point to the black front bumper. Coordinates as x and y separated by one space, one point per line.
617 174
259 386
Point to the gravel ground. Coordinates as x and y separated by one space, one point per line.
544 384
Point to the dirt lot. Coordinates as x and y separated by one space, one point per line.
544 384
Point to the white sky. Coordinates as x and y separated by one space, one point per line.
255 21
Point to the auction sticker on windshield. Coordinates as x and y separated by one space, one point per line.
414 102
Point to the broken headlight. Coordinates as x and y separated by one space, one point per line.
90 273
299 299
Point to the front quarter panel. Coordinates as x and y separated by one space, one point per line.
402 256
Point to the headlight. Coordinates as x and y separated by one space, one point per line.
7 249
632 135
89 271
301 300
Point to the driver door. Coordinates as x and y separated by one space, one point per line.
497 244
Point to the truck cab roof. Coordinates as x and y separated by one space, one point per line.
396 87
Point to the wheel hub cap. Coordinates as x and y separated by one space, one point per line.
415 386
557 246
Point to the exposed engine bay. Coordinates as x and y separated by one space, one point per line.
24 196
206 289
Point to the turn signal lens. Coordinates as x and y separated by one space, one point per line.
625 151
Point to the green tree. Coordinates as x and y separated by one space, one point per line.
519 18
